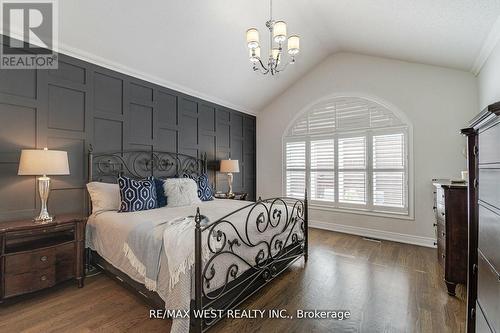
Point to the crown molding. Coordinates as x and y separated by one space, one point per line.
487 48
115 66
112 65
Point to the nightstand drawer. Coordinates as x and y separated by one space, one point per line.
65 262
29 261
17 284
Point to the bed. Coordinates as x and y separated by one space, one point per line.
239 247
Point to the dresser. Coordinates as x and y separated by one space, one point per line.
483 299
450 206
38 256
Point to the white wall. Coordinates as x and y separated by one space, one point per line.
489 80
438 102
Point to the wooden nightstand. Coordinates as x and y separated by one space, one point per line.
38 256
236 196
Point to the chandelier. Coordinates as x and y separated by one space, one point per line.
277 60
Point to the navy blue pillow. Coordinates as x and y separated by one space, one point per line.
137 195
161 198
205 190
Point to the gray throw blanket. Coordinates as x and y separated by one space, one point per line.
143 249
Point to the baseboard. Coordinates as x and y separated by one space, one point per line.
379 234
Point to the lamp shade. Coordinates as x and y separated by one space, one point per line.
252 38
229 166
293 44
37 162
279 31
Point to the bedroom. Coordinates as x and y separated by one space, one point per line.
249 166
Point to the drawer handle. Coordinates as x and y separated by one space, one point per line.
443 256
443 234
43 258
435 225
43 278
442 214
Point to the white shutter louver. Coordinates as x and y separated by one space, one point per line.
322 170
295 168
352 170
389 183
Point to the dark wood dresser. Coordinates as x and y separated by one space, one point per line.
38 256
450 206
483 300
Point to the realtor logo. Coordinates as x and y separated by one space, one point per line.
29 30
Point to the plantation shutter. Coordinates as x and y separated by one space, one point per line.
389 183
353 154
295 168
352 170
322 170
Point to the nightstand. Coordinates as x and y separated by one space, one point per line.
38 256
236 196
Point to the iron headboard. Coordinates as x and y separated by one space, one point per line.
106 167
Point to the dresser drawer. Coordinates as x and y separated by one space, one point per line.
440 212
481 323
17 284
441 251
488 292
440 196
489 191
29 261
489 235
441 229
488 145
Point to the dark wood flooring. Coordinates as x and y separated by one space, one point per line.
387 287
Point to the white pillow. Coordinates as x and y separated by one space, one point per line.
181 192
104 196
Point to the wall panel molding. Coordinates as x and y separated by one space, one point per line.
82 104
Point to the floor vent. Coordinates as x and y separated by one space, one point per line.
372 239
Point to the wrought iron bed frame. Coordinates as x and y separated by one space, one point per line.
278 217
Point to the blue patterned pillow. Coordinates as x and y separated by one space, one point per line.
137 195
205 189
161 198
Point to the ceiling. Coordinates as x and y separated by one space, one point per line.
198 46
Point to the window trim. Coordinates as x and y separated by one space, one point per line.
406 213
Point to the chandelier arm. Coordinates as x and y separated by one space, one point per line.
262 69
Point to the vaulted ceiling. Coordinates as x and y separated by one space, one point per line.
198 46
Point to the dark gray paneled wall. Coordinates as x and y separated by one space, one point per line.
81 104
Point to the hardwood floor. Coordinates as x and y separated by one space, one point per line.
387 287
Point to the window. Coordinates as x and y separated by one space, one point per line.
352 153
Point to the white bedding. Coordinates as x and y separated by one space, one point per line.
107 232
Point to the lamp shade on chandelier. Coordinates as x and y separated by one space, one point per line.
277 60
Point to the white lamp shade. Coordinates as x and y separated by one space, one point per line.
229 166
279 31
37 162
293 44
252 38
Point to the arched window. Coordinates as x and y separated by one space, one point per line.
352 153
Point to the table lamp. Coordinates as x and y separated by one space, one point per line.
38 162
229 166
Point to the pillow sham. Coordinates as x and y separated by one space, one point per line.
205 189
181 192
104 196
161 199
137 195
